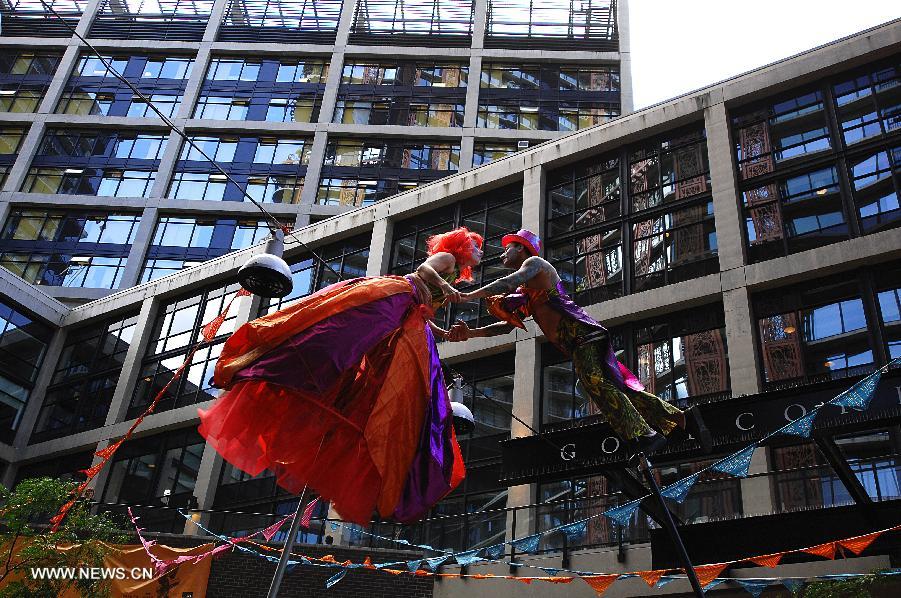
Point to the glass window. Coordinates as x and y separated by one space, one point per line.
24 78
875 188
868 105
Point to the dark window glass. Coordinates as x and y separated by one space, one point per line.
24 75
66 468
875 187
483 153
85 378
23 343
176 330
869 104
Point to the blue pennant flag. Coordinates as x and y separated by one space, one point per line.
754 587
495 552
623 513
664 580
467 558
334 526
858 397
736 464
402 541
679 490
434 562
714 583
529 544
574 531
414 564
290 566
550 571
793 585
801 426
335 578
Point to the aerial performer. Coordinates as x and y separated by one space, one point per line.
639 418
343 391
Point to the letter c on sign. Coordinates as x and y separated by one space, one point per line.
568 452
738 422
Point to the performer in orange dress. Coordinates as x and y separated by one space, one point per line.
343 391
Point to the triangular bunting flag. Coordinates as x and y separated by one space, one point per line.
550 571
736 464
860 543
665 580
525 580
600 583
555 579
529 544
652 577
367 563
467 558
414 564
707 573
801 426
714 583
677 491
434 562
335 578
793 585
768 560
826 550
753 587
270 531
574 531
623 514
858 397
495 552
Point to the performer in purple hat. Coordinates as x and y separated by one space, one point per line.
641 419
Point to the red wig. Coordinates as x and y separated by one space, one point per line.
457 243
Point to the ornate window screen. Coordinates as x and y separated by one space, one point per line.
153 19
413 22
546 23
310 21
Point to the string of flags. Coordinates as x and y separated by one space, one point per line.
208 333
709 574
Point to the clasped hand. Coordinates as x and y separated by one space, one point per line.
454 295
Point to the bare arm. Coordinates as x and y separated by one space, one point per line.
429 270
438 330
529 270
461 332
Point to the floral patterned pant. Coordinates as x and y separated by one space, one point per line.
631 413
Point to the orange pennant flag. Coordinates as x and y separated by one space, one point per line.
826 550
367 563
707 573
651 577
393 571
560 579
768 560
860 543
525 580
600 583
421 573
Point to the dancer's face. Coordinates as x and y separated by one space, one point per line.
514 255
475 256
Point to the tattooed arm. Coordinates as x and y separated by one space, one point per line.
530 268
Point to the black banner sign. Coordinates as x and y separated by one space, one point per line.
736 422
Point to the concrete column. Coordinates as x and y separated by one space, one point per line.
87 18
533 199
467 148
336 63
726 207
167 165
626 96
216 16
9 475
143 239
479 23
66 66
314 167
473 84
743 357
380 247
28 149
38 394
757 492
527 407
208 473
195 83
131 366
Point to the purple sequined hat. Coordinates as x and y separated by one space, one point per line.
526 238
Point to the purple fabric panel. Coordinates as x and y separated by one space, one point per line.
313 359
430 471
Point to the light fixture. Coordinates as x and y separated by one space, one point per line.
789 329
822 191
464 422
828 364
267 274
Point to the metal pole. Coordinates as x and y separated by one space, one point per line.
670 526
286 551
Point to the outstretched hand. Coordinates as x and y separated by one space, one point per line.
459 332
464 297
451 293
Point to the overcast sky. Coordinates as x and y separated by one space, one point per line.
682 45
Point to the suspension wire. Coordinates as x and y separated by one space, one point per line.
278 226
